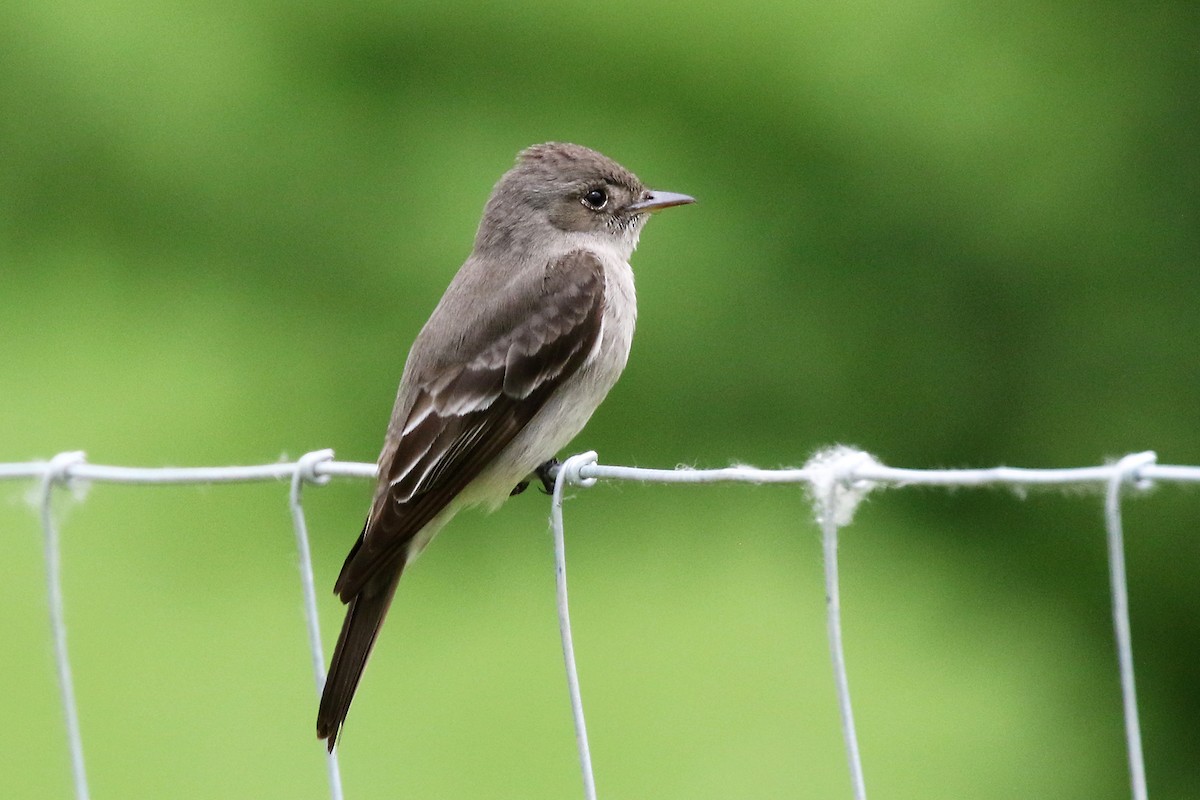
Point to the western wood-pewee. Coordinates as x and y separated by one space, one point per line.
527 340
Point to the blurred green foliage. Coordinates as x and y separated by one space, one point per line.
951 233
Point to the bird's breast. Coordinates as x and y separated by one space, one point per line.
572 404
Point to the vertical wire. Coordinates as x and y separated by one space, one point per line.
56 471
305 471
1118 586
833 619
564 618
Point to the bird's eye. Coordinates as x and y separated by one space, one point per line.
595 199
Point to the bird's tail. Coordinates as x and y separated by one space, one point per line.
363 620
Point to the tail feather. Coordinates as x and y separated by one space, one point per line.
363 619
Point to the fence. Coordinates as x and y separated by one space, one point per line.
837 480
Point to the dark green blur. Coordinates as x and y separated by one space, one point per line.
955 234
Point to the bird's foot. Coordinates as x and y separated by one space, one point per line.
543 474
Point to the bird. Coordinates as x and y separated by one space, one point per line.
527 340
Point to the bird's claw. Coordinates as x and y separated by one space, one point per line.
543 474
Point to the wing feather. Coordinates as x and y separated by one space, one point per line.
463 416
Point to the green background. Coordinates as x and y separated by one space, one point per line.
954 234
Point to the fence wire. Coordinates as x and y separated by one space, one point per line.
837 480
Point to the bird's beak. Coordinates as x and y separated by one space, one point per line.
656 201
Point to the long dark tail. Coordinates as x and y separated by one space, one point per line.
363 620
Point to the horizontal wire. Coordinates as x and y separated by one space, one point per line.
868 471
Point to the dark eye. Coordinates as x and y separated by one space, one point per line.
595 199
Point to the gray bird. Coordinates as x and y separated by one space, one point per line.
527 340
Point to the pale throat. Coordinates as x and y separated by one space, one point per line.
608 247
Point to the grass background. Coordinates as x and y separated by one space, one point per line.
952 233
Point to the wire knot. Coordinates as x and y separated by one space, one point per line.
573 466
1129 469
306 466
58 468
834 484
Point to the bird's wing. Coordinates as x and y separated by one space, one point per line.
464 415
